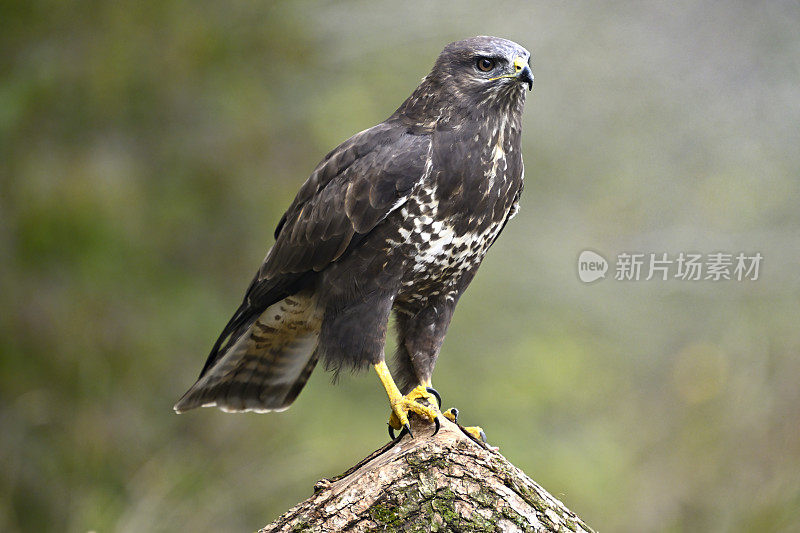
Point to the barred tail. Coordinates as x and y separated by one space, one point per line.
267 366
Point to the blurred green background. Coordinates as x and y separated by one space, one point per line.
148 149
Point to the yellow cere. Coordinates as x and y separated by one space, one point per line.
519 64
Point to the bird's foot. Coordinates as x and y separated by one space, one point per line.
475 431
424 401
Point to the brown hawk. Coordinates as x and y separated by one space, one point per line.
396 218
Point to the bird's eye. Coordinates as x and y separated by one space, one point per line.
485 64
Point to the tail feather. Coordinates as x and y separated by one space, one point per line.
301 381
267 366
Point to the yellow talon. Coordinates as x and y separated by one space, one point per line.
476 432
409 403
452 415
402 405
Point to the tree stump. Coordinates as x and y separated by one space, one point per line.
447 482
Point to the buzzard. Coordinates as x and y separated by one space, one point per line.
395 219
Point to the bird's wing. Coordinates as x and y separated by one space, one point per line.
350 192
354 188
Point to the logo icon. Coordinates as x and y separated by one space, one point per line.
591 266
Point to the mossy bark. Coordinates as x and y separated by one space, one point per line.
449 482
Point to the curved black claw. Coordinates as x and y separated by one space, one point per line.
435 393
406 429
438 426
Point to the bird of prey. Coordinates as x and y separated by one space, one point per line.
395 219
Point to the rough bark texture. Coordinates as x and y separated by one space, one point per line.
449 482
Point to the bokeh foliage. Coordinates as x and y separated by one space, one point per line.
148 149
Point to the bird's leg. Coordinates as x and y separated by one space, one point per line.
402 405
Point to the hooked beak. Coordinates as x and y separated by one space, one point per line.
523 72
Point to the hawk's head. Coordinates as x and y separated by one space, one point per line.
477 77
484 65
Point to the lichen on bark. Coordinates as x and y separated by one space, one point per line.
447 482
